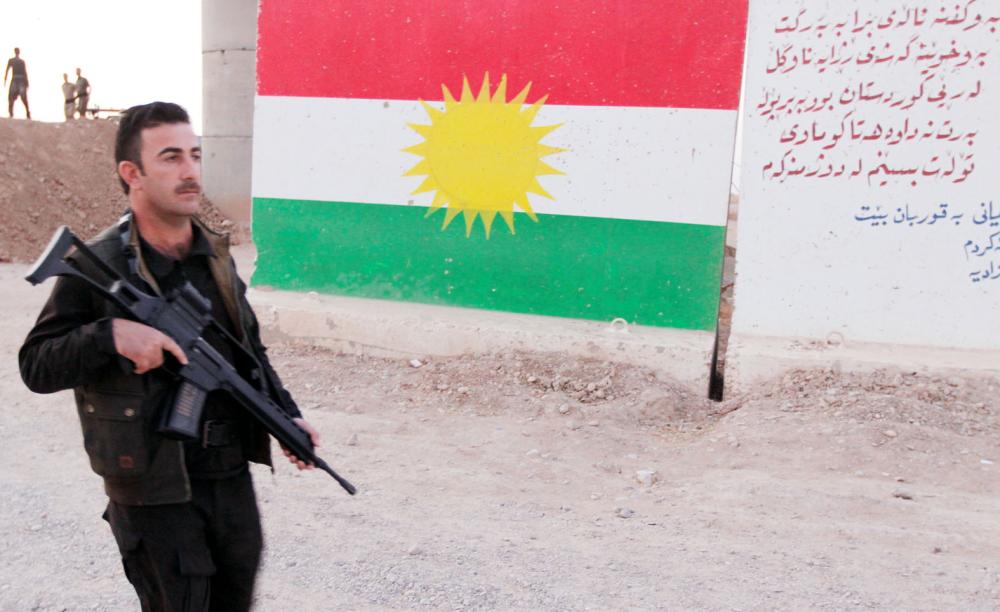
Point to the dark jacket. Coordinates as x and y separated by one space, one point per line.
71 346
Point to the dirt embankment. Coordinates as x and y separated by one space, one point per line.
54 174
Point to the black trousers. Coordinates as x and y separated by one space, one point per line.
197 556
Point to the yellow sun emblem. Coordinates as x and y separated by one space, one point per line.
481 155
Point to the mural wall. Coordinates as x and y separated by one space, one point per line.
870 209
568 159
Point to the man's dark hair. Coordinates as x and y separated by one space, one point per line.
128 142
17 50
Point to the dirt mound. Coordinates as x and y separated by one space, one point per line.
527 384
54 174
964 405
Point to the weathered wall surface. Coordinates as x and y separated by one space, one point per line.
869 213
229 39
516 157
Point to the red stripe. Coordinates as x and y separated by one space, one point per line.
673 53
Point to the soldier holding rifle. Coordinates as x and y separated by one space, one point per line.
183 513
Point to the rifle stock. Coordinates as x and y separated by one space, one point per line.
52 260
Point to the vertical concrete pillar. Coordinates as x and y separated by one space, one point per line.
228 43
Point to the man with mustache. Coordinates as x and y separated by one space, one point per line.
184 514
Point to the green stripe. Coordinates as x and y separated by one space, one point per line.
648 273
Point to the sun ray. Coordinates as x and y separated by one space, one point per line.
519 99
525 205
481 155
484 91
418 149
529 113
422 167
470 218
541 131
432 112
419 128
487 216
466 91
544 150
501 93
449 100
545 169
440 199
449 214
536 187
508 217
429 184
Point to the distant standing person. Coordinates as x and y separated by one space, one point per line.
69 96
82 94
18 82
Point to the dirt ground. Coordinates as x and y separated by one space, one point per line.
525 481
510 482
54 174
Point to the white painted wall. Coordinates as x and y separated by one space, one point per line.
918 273
332 138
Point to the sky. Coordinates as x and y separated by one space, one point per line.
131 51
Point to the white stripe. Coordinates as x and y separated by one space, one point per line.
651 164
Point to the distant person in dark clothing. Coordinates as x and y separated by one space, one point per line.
82 94
69 97
18 82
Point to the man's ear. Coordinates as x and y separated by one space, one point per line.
129 172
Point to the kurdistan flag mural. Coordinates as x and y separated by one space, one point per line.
563 158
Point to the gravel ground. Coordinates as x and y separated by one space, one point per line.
536 481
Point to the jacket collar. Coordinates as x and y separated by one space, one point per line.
161 265
216 245
220 263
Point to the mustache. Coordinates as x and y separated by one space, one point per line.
188 186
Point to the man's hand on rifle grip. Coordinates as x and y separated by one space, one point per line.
143 345
313 435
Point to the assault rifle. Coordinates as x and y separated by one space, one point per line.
183 315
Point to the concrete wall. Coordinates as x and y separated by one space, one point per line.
229 43
869 216
869 219
582 174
